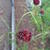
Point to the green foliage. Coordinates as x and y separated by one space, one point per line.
47 16
19 48
44 35
25 47
36 19
47 48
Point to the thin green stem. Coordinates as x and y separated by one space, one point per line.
34 19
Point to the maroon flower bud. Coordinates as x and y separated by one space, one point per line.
42 11
36 2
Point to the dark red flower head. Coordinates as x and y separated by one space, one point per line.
36 2
42 11
24 35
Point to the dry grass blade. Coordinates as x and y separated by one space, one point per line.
4 22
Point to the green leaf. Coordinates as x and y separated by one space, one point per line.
19 48
47 16
25 47
47 48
